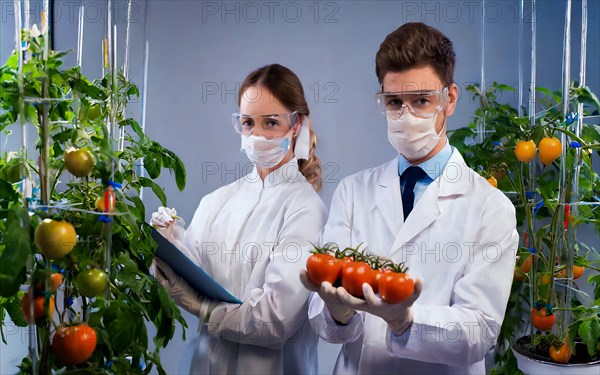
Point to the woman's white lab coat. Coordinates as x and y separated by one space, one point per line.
253 238
460 240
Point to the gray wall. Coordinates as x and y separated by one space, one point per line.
201 51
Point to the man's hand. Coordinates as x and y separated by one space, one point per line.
398 316
330 295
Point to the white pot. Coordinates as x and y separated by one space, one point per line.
535 366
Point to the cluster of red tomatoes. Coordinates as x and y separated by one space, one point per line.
351 268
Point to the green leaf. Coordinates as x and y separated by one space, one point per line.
13 308
152 164
156 189
589 331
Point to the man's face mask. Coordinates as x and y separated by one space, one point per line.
411 118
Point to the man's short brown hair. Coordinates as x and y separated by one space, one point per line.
414 45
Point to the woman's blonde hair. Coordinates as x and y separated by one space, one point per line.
286 87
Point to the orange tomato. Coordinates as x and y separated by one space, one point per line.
492 180
526 266
545 279
525 151
38 308
519 275
578 272
55 280
540 320
562 354
550 149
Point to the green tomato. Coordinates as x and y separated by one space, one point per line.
94 112
79 162
91 283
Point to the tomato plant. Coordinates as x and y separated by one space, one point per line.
541 320
91 283
79 162
74 344
49 220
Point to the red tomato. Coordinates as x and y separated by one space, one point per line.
395 287
74 344
540 320
354 275
323 267
562 354
38 308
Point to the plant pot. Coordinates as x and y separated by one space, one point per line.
538 363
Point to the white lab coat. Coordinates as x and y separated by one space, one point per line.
253 239
460 240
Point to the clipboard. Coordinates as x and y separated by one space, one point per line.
190 271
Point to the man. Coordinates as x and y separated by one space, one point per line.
456 233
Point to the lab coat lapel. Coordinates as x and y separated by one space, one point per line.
455 179
388 201
423 214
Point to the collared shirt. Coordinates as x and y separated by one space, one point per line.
433 167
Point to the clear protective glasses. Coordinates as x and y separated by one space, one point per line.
271 125
421 103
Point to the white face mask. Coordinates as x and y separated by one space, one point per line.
412 136
263 152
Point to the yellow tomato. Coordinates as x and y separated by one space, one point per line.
550 149
492 180
55 239
525 151
79 162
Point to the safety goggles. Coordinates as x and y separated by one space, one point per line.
421 103
275 124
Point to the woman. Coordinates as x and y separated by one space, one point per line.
253 237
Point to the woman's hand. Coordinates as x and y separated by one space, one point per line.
164 217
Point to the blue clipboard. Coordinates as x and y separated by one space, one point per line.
190 271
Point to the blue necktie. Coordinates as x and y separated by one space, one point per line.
410 177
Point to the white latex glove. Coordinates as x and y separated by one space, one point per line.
398 316
182 292
164 217
330 295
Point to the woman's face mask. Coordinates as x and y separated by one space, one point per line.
265 153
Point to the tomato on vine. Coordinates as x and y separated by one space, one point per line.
525 151
542 319
79 162
39 310
74 344
549 150
560 353
55 239
396 285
